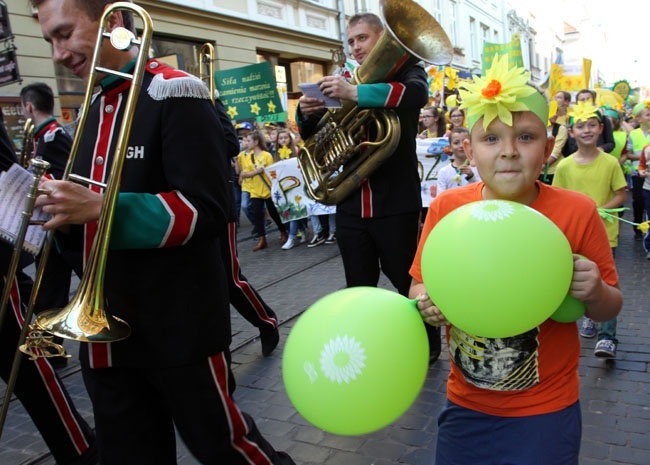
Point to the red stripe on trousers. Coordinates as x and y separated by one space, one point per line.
238 427
244 285
51 382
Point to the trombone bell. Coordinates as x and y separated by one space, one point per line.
79 321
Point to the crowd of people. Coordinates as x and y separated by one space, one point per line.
174 269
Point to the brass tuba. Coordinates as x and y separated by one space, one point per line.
339 156
85 318
26 152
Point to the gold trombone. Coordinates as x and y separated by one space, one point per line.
26 152
206 67
85 318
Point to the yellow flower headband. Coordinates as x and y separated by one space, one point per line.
499 93
583 111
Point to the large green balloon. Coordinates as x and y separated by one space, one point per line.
356 360
496 268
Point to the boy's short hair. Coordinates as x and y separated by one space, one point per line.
587 91
458 130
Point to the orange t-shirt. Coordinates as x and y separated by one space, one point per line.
536 372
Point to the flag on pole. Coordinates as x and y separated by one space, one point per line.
512 49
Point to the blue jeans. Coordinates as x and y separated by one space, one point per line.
246 206
607 330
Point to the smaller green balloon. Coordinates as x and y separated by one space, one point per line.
570 310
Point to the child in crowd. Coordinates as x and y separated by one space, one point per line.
458 172
644 172
599 176
433 122
254 179
456 117
287 149
639 138
515 397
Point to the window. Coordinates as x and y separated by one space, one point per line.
473 39
436 11
453 33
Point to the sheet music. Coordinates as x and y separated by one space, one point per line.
313 90
15 184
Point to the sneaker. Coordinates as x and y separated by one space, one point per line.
317 240
588 328
289 244
331 239
605 348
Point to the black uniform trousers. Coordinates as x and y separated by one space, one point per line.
243 296
136 409
389 243
44 396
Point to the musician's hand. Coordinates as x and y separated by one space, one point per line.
68 203
311 105
337 87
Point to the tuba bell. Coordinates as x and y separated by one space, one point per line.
339 155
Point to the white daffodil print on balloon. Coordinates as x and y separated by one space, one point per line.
342 359
492 210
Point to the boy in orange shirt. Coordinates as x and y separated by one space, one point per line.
528 412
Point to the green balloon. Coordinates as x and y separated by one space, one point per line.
496 268
570 309
356 360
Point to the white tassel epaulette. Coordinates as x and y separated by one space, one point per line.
179 86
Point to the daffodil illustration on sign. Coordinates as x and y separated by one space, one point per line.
232 112
342 359
271 106
255 108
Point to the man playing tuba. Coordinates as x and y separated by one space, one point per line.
377 224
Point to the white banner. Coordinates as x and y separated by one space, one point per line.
289 194
292 201
431 159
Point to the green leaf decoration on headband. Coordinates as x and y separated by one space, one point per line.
497 94
583 111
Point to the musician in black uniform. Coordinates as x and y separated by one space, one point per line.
39 389
377 224
164 275
52 144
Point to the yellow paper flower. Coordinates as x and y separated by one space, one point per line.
643 227
583 111
284 153
452 78
495 94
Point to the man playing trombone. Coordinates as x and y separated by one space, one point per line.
164 274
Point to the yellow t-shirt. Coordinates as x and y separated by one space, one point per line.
258 185
599 180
